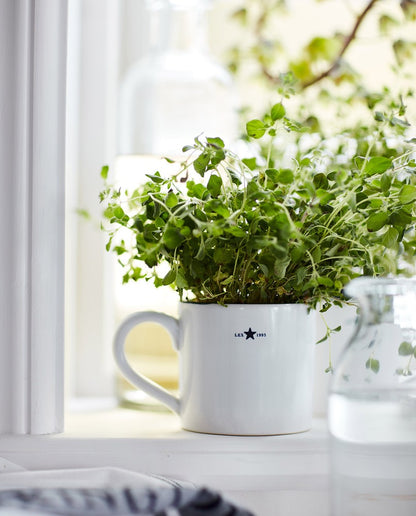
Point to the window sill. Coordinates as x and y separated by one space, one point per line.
285 468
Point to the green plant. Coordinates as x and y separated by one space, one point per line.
325 58
274 228
331 72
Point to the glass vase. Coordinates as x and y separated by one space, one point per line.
372 404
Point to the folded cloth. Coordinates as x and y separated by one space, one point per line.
166 501
107 491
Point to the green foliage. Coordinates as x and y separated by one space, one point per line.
323 56
273 229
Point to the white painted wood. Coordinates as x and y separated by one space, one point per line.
32 105
285 475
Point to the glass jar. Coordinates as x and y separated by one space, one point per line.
177 90
372 403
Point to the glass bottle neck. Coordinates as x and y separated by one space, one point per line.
174 29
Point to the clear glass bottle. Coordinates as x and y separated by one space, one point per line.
175 92
372 404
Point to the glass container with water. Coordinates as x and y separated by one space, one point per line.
372 404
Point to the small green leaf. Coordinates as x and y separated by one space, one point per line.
172 238
186 231
385 182
324 338
373 364
214 185
171 200
155 177
400 218
169 278
255 128
285 176
376 203
377 165
201 163
280 267
297 253
137 273
390 238
379 117
376 221
277 112
216 206
119 250
272 174
398 121
85 214
324 197
327 282
407 194
251 163
217 142
386 23
320 181
236 231
104 172
316 254
406 349
181 281
118 212
217 157
197 190
300 275
200 255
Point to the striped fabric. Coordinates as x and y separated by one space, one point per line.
171 500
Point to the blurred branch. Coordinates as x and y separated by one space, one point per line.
349 38
347 42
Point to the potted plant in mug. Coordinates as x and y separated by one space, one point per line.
252 245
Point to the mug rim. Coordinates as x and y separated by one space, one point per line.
244 305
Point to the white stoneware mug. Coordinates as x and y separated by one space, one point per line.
244 369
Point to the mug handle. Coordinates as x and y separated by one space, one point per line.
148 386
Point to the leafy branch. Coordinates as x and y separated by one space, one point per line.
258 20
349 38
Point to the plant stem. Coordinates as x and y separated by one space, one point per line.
329 338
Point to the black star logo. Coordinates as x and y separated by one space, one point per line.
250 334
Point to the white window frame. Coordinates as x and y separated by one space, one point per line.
32 187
